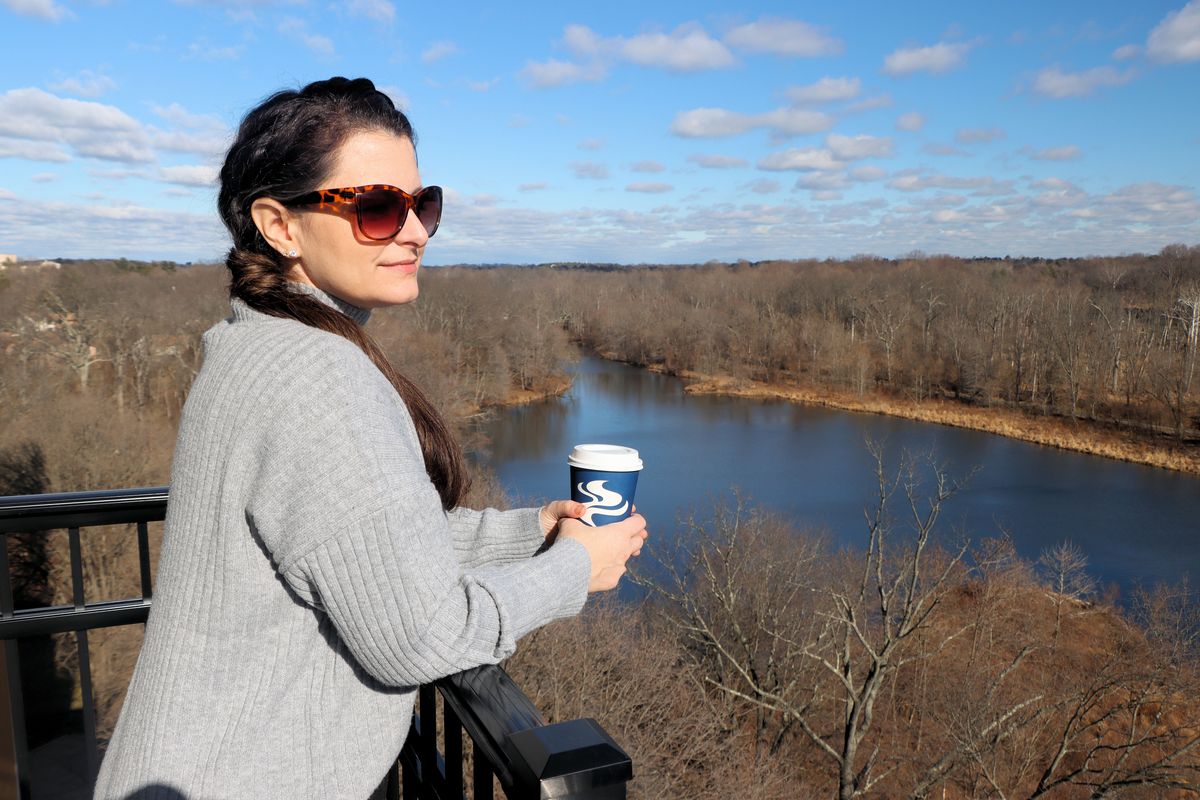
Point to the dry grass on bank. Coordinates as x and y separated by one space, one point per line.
553 387
1051 432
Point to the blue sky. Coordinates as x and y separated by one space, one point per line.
630 132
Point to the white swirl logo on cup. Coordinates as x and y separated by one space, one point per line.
604 478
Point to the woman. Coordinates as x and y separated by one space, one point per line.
316 565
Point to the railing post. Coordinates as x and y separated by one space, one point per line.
575 759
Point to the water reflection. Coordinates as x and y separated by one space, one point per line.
1135 523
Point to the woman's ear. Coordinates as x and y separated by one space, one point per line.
275 223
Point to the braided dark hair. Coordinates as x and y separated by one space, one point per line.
284 148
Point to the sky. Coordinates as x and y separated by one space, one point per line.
666 132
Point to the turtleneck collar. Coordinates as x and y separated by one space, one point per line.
242 311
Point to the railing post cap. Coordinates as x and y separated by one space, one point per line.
575 758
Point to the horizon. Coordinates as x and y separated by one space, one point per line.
680 134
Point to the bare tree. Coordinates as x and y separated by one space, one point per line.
1065 568
818 652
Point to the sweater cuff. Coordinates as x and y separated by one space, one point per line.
528 529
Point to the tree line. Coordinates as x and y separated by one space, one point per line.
1110 341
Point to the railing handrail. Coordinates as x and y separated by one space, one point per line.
529 757
32 512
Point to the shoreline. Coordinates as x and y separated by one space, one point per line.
1049 432
523 397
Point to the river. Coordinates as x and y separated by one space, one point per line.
1136 524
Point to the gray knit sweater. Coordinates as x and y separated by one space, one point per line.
309 579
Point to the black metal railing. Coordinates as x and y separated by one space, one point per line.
510 742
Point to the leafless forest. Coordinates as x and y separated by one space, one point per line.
1107 343
765 664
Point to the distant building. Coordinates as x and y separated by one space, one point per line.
6 259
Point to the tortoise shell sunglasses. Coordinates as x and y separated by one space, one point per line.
381 209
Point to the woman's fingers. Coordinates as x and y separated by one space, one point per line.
608 547
557 510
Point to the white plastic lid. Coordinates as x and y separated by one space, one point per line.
610 457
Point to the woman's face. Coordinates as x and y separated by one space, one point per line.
334 256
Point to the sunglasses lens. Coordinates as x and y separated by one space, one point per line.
428 203
381 214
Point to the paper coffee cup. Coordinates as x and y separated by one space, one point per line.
604 478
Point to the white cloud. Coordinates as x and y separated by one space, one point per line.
852 148
32 151
589 169
826 90
977 135
1054 83
91 129
45 177
197 143
1177 37
43 9
794 121
85 84
649 188
378 10
111 227
709 123
939 149
868 103
822 181
1152 203
937 58
1068 152
583 41
297 29
796 159
763 186
647 166
190 175
533 187
202 50
591 144
784 37
718 162
911 121
438 50
1126 52
868 173
483 86
202 134
919 180
552 72
1057 193
686 49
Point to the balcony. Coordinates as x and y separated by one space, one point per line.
491 733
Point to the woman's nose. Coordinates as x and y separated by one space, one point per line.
413 231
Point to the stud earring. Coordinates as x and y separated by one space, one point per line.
291 254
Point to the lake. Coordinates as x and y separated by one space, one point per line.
1135 523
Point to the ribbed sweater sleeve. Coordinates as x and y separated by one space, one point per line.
343 505
495 537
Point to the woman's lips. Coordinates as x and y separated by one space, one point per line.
401 266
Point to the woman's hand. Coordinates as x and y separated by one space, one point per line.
609 547
553 513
